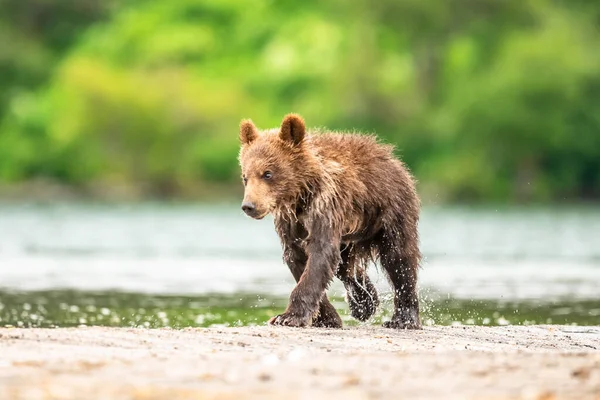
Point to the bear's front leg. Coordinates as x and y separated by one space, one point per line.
323 256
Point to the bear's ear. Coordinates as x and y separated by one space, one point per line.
292 129
248 131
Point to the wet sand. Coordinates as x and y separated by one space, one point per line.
512 362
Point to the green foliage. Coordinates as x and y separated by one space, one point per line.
485 100
529 120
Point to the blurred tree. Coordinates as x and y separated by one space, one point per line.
35 33
485 100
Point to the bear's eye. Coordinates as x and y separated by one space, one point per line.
267 175
245 180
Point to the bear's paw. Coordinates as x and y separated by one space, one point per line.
289 319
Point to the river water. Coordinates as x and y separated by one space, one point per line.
199 250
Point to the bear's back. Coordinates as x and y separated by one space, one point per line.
364 169
350 149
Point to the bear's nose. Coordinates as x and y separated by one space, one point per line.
248 207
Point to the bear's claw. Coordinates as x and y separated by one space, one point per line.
401 325
404 319
287 319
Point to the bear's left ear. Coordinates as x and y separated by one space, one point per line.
248 131
292 129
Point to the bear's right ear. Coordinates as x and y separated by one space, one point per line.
292 129
248 131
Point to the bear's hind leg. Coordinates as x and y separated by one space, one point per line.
328 316
400 259
361 294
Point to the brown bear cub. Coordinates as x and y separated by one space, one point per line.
339 201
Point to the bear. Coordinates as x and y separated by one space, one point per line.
339 201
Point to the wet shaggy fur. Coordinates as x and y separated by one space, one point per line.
339 201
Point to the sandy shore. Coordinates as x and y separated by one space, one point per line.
534 362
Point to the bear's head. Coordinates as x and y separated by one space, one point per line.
274 165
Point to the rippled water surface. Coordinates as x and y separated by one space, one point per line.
522 264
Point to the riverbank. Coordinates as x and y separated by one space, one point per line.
510 362
50 192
